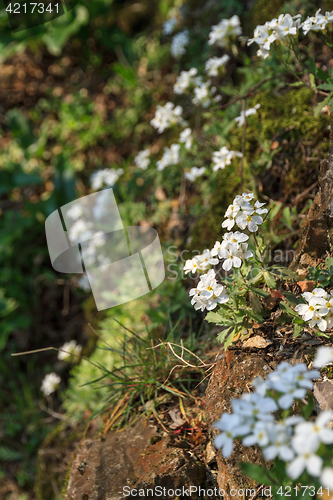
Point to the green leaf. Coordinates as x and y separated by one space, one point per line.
229 340
313 81
313 67
269 279
255 316
322 75
285 307
213 317
255 472
320 106
297 330
222 335
259 291
329 262
255 302
326 86
308 409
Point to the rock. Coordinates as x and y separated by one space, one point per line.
317 232
136 458
323 393
230 379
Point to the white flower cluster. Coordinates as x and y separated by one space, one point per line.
169 26
142 159
185 80
194 173
178 44
107 177
186 138
50 383
244 214
292 439
203 94
232 249
223 157
208 293
318 310
69 349
318 22
166 116
276 29
170 157
251 111
215 63
201 262
284 25
222 32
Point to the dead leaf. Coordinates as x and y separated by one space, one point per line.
160 194
275 145
257 341
306 286
178 421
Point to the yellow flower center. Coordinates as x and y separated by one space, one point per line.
249 218
311 308
209 288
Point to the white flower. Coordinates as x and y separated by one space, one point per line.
107 177
71 348
80 229
258 209
185 80
232 238
227 423
169 26
75 212
249 220
83 283
50 383
206 260
324 356
191 265
259 435
186 137
166 116
223 157
231 257
214 63
317 430
142 159
317 292
326 477
178 44
208 293
255 406
226 28
279 442
306 458
194 173
307 311
170 157
260 385
319 321
285 26
251 111
202 94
